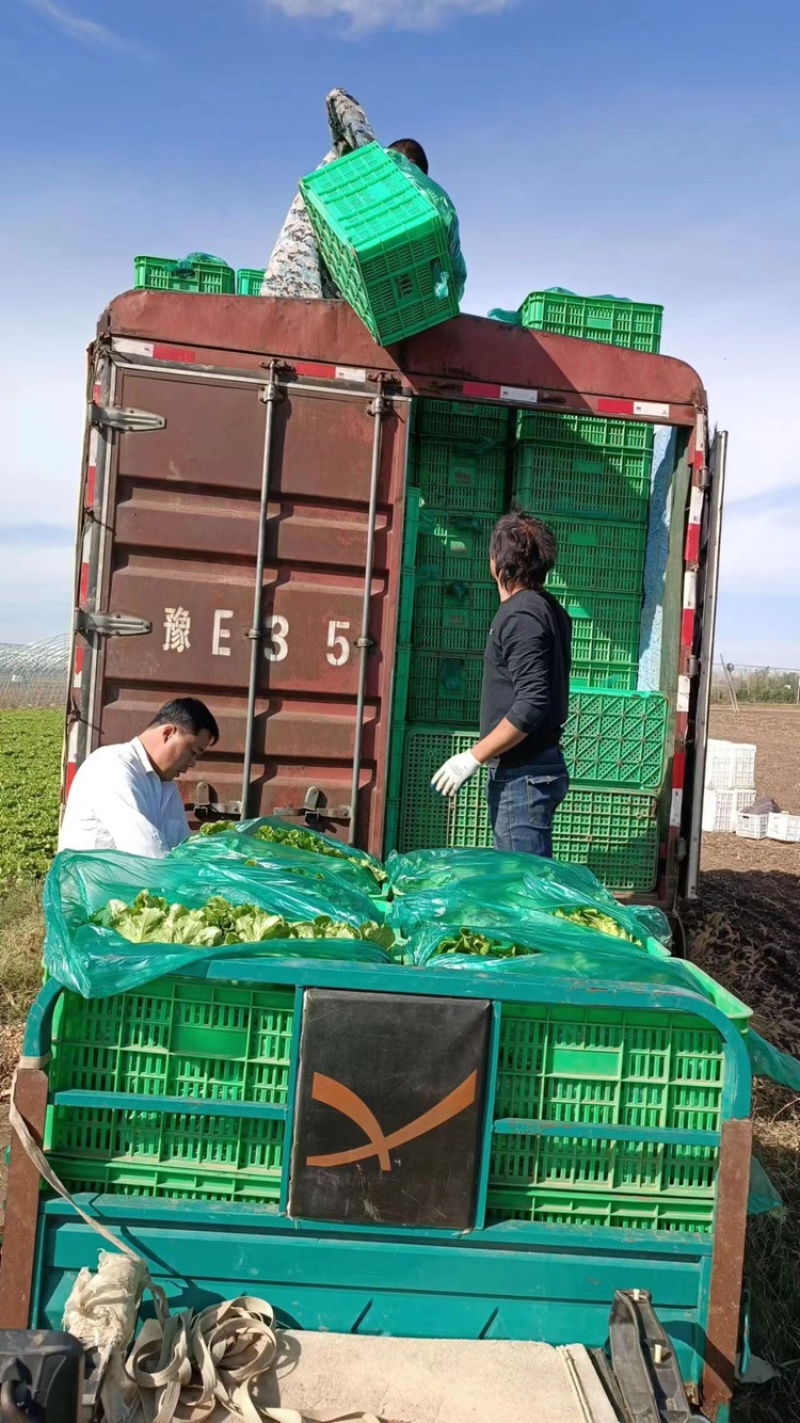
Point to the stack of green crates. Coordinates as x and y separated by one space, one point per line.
217 1053
182 1090
459 470
589 479
209 278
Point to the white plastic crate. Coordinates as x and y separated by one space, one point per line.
752 827
730 766
721 809
784 827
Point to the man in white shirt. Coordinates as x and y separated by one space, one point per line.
125 798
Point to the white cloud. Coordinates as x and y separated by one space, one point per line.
78 28
371 15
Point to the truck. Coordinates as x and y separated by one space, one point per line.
248 532
243 534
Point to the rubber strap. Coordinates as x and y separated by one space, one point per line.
186 1365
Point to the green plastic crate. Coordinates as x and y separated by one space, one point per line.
622 1213
605 639
161 274
460 474
614 832
383 242
604 556
248 281
613 740
204 1043
610 319
123 1178
453 617
457 616
617 739
454 547
579 471
428 821
444 688
461 420
177 1039
599 431
166 1154
619 1069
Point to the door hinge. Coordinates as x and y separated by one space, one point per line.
111 624
693 667
118 417
681 850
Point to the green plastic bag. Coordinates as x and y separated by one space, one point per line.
508 318
320 870
326 845
482 886
769 1061
97 962
547 947
762 1196
438 869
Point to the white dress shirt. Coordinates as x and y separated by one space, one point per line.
119 802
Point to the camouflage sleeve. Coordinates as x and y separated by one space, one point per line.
295 268
456 255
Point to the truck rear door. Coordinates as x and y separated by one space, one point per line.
184 467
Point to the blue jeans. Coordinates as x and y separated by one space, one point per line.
523 801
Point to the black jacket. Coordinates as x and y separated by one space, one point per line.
526 669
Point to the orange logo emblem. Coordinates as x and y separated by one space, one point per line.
333 1094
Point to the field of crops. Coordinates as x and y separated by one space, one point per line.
30 774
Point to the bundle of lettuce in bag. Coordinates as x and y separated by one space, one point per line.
273 843
550 948
482 886
113 921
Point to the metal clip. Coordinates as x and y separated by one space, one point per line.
313 809
206 808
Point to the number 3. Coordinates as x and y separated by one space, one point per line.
277 631
339 646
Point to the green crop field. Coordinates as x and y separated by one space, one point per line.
30 776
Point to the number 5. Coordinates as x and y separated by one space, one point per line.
338 646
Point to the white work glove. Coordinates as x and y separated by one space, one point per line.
451 776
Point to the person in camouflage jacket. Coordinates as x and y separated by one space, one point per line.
295 268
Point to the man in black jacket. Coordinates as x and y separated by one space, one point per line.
525 698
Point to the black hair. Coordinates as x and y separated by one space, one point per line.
190 715
523 550
413 151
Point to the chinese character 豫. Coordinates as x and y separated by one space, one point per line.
177 626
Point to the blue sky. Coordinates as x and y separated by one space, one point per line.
627 147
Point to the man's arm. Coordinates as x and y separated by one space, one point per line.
176 827
524 645
122 814
294 268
